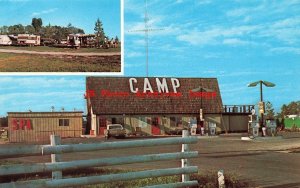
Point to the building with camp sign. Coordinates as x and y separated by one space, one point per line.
159 106
38 126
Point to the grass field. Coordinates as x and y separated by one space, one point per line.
46 63
54 49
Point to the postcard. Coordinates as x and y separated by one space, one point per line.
209 94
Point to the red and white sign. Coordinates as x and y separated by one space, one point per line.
21 124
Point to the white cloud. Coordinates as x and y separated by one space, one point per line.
239 42
44 12
196 37
234 42
286 50
203 2
288 22
245 11
133 54
209 55
285 30
135 65
41 82
237 12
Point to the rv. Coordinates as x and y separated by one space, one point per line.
5 40
29 40
73 40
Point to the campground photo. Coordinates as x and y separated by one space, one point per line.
150 93
85 37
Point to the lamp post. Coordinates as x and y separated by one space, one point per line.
261 103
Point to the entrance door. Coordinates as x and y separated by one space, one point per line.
155 129
102 125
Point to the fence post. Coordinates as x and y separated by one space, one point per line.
221 179
55 140
185 162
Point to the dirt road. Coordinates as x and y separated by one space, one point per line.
60 53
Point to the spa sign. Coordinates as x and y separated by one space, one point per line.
21 124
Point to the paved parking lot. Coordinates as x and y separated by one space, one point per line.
265 162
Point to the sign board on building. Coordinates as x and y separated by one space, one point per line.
201 115
21 124
161 84
261 107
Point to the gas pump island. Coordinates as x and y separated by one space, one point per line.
256 124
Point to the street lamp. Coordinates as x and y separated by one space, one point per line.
266 83
261 104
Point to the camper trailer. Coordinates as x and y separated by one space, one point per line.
5 40
29 40
73 40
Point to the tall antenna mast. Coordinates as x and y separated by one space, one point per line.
147 37
147 29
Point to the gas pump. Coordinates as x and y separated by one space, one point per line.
271 125
253 124
212 128
193 126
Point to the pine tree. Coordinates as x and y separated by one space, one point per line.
269 110
99 32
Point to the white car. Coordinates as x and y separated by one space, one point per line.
115 130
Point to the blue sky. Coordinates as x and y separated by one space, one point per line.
79 13
237 42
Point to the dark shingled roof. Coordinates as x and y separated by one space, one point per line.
152 105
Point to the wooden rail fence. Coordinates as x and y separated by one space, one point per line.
57 166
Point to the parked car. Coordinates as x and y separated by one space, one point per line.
115 130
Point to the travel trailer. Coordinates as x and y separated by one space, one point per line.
29 40
5 40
